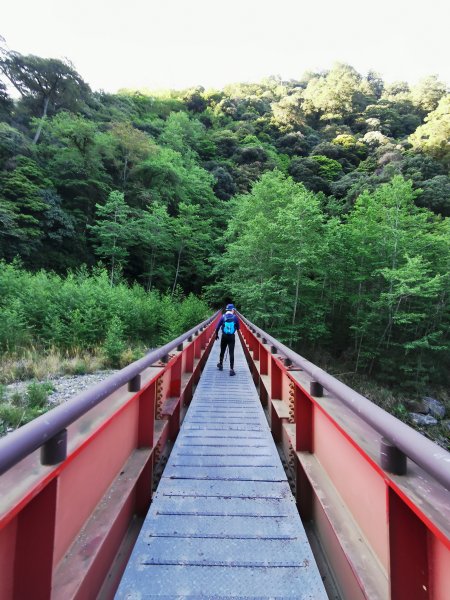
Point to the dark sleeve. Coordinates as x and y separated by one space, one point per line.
219 325
236 320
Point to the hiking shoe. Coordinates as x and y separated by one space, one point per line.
220 366
232 372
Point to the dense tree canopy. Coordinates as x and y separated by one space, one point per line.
321 205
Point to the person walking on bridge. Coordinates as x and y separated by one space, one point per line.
229 324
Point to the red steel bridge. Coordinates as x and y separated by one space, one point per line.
281 482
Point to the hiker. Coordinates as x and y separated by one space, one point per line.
229 323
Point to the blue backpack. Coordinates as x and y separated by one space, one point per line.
229 326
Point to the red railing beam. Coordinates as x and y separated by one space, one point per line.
33 435
415 446
383 535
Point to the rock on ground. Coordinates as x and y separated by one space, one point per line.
65 387
419 419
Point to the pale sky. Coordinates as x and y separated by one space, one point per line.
180 43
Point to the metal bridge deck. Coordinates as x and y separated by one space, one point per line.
223 522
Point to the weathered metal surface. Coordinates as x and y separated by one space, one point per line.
65 529
424 452
363 515
23 441
223 522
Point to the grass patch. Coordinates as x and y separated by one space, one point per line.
41 365
37 394
19 409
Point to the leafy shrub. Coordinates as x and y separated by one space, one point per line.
13 332
37 394
10 417
45 314
114 344
191 311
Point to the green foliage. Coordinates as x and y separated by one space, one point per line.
78 311
20 408
433 137
37 394
114 344
265 262
47 83
436 194
10 417
373 284
171 190
191 310
337 94
12 142
328 168
21 199
112 231
427 93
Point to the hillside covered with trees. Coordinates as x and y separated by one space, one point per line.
320 206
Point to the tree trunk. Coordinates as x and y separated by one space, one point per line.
294 311
150 275
177 271
114 249
125 172
111 281
44 116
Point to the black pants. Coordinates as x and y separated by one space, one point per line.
227 340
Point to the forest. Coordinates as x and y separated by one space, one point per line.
320 206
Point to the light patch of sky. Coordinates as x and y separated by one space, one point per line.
175 43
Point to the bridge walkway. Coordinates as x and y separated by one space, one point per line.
223 522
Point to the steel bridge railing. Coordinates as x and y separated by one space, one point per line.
77 481
382 521
49 431
404 441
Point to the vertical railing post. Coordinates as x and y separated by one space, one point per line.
256 350
408 552
35 542
146 428
263 361
146 422
190 357
303 416
175 377
197 345
275 380
202 339
303 420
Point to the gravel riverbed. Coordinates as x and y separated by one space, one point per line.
65 387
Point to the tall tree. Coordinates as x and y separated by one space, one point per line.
112 231
434 136
271 257
50 82
130 146
192 242
391 247
23 208
427 93
154 234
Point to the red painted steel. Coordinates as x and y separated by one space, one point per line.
61 527
408 565
417 447
33 435
384 536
